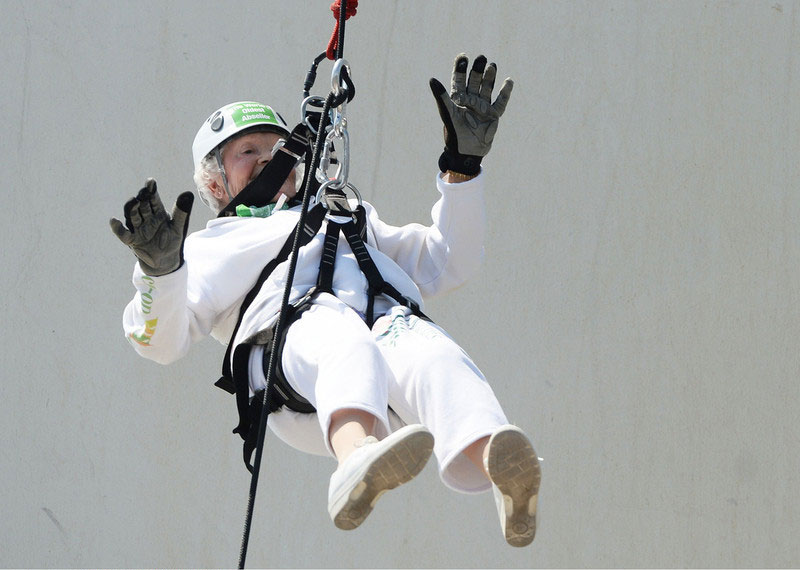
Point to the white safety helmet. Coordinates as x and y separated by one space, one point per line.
231 120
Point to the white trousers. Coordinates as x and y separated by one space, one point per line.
411 365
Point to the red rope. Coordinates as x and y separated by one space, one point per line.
337 7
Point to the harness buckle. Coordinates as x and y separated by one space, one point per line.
335 200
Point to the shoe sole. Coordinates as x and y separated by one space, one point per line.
399 464
514 468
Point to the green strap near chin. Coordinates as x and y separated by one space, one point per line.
257 212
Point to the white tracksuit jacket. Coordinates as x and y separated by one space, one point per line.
223 261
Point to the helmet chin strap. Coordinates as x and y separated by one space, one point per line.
218 156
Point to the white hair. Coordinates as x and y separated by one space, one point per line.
208 170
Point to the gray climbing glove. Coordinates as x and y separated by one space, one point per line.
155 237
469 116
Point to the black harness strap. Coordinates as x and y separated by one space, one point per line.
280 394
377 285
328 258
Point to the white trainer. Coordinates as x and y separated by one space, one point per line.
373 469
515 473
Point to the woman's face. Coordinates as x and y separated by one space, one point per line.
243 159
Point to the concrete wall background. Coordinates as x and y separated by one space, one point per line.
638 313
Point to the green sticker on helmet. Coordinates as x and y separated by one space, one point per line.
245 114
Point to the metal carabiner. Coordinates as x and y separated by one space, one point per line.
336 134
319 198
314 101
337 85
343 157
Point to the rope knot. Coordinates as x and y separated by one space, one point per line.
336 7
351 9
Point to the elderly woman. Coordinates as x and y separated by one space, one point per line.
381 396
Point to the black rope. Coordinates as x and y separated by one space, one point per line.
342 20
282 316
262 428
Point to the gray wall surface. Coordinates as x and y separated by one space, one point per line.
638 313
